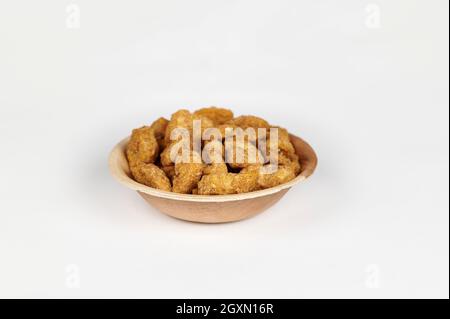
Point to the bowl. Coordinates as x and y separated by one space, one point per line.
211 208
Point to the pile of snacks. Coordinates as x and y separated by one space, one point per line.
212 165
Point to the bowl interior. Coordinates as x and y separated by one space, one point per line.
119 168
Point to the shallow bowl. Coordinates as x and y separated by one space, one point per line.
206 208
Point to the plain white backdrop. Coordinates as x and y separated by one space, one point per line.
365 82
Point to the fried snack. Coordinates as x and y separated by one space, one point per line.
187 175
222 128
215 169
143 146
165 156
242 154
151 175
159 127
284 141
179 119
182 119
290 160
222 166
270 175
217 115
246 121
282 175
230 183
206 122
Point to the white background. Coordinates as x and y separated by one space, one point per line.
365 82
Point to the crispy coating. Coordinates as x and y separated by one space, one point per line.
143 146
216 114
187 175
216 169
213 152
246 182
182 119
291 161
219 171
179 119
206 122
151 175
242 154
284 141
230 183
245 121
217 184
222 128
282 175
270 175
165 156
181 150
159 127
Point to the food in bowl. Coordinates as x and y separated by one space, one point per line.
211 152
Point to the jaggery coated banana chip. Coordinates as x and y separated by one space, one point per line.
183 119
271 175
179 119
151 175
215 169
242 153
216 114
290 160
282 174
284 141
166 155
159 128
230 183
233 163
187 175
143 146
246 121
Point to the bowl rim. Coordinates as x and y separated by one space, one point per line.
118 173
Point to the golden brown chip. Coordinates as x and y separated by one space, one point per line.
282 175
290 160
222 184
216 114
151 175
187 175
223 130
183 119
179 119
246 121
284 141
209 175
142 147
179 148
216 169
159 127
230 183
242 154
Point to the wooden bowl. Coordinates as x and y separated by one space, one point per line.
206 208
